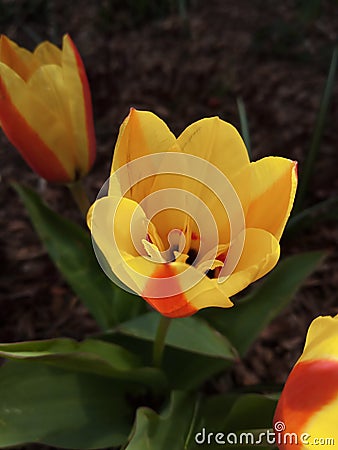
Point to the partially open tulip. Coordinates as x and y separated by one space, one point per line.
307 411
170 238
46 110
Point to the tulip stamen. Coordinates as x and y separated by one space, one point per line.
192 254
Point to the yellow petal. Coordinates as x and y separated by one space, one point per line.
22 61
79 100
141 133
259 255
322 339
219 144
48 53
169 198
47 84
235 207
110 223
208 198
323 424
39 117
169 219
216 141
273 185
156 280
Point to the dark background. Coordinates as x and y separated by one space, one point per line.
184 61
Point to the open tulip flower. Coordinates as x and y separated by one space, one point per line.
45 108
168 237
307 411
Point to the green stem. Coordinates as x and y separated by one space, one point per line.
159 342
80 196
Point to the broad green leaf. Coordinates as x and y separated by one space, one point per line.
194 350
64 409
244 411
191 334
190 422
250 315
90 356
189 370
183 369
170 430
240 417
71 249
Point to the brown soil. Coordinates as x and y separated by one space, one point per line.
269 53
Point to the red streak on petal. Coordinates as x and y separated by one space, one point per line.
27 141
194 236
174 306
310 386
87 105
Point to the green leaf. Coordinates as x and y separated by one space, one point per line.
183 370
61 408
244 125
251 314
193 353
317 132
242 411
189 422
189 370
167 431
70 248
325 210
191 334
89 356
231 414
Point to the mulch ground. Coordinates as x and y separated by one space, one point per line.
274 55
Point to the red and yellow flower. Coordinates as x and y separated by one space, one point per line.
265 188
308 406
46 110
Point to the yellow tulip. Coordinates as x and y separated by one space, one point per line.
307 411
132 232
46 110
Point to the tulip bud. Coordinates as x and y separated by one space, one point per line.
46 110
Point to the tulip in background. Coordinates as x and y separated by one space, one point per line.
46 110
265 190
308 405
